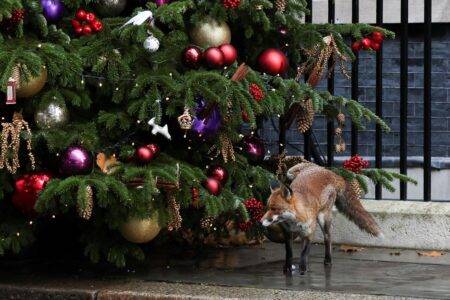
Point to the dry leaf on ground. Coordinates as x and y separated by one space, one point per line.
431 253
350 249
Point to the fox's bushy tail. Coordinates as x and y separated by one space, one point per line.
349 204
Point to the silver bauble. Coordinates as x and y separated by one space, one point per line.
151 44
210 33
53 116
110 8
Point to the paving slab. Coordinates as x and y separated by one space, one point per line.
244 273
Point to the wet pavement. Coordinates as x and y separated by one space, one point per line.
385 272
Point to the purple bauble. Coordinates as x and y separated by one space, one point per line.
254 148
161 2
75 160
53 10
208 126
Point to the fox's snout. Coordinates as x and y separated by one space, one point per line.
268 220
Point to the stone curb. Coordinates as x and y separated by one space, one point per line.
405 224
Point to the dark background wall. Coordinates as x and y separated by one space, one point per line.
391 98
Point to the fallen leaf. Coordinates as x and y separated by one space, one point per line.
431 253
350 249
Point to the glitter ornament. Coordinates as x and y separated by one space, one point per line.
110 8
210 33
140 231
86 211
356 164
151 44
219 173
231 3
256 92
54 115
192 57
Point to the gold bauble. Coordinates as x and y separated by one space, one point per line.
140 231
27 89
211 33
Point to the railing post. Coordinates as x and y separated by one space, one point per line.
427 103
403 96
355 78
330 84
307 135
379 102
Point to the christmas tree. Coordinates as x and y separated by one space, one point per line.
140 118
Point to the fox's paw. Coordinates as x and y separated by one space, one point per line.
303 269
287 270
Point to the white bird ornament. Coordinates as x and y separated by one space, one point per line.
164 130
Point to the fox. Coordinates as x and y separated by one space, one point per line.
307 202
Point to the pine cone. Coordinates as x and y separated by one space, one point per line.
281 5
341 118
306 117
86 213
356 191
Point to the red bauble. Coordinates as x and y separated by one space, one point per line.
144 154
229 54
377 37
366 43
256 92
81 14
90 17
97 26
27 190
273 61
356 46
213 186
192 57
75 24
154 148
219 173
375 46
214 58
231 3
87 29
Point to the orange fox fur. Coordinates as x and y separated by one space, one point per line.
309 201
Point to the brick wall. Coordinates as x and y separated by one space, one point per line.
391 98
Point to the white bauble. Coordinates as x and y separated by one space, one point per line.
151 44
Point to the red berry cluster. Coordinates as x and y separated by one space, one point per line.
255 209
86 23
371 42
17 15
256 92
355 164
231 3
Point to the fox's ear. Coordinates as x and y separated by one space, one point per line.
287 192
274 184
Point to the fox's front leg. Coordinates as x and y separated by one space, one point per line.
304 255
287 269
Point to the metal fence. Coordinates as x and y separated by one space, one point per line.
403 35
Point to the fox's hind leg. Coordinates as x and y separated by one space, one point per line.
326 229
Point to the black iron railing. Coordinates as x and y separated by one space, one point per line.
309 149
